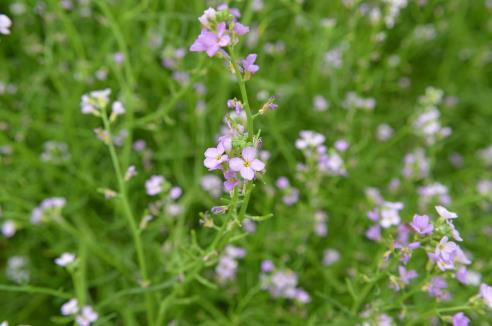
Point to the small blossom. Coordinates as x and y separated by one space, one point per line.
235 104
390 214
374 233
8 229
211 42
212 184
341 145
5 24
421 224
65 259
214 157
240 29
117 108
330 256
320 103
248 64
436 288
445 214
94 101
486 294
87 317
460 319
70 307
130 172
154 185
175 193
267 266
248 165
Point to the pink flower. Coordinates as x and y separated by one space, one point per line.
486 294
214 157
248 164
240 29
421 224
211 42
249 64
460 319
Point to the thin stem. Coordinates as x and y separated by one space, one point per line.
129 216
244 94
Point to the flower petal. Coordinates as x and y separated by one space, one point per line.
249 153
236 163
247 173
257 165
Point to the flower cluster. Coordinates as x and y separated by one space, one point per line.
416 165
319 159
5 24
354 101
83 317
48 209
55 152
168 195
227 266
290 194
427 124
17 269
384 214
433 194
282 283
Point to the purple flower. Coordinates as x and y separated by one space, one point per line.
231 180
373 215
267 266
214 157
211 42
154 185
461 275
421 224
406 251
445 214
240 29
175 193
291 196
486 294
248 64
374 233
302 296
407 276
460 319
283 183
341 145
436 286
248 164
235 104
445 254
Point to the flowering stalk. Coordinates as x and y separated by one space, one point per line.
244 93
128 213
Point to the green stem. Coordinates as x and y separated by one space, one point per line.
244 93
129 216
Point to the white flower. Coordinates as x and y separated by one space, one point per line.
87 317
207 17
117 108
390 214
8 229
384 132
309 139
445 214
330 257
154 185
5 24
70 307
95 100
65 259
